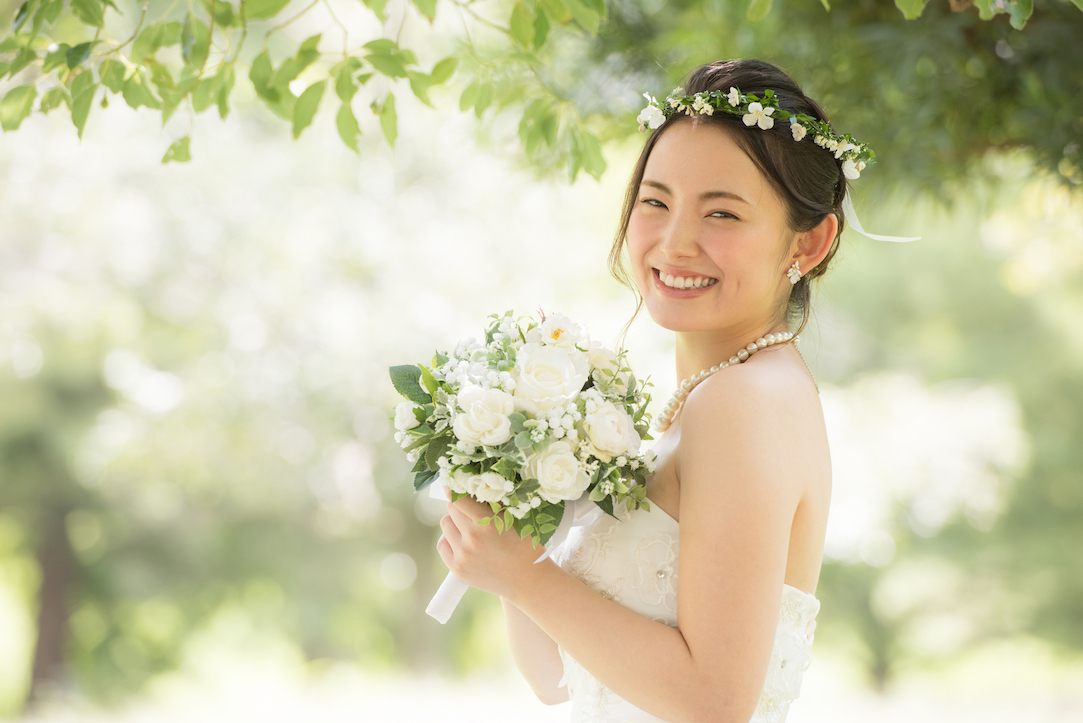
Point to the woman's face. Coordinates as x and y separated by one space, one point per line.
705 214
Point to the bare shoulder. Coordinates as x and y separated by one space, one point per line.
755 421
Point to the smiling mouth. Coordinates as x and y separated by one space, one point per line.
685 282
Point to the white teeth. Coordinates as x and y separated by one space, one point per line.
681 282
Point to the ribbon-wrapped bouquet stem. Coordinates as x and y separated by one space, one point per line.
538 421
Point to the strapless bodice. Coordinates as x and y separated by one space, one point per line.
632 560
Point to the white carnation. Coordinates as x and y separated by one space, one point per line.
558 330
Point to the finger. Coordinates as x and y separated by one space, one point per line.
447 492
463 520
446 553
451 532
472 508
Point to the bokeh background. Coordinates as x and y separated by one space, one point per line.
203 514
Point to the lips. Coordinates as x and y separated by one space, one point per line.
683 286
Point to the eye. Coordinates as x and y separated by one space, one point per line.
724 214
652 202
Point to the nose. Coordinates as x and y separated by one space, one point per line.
680 239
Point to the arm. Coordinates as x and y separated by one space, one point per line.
740 477
535 654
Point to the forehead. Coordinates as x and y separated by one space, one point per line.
693 157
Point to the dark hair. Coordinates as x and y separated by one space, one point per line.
808 178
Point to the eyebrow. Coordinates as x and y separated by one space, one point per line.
706 195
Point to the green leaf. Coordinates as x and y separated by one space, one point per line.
541 29
428 380
1019 12
593 161
423 479
466 100
52 98
911 9
262 9
377 7
224 81
347 126
827 5
758 9
427 8
436 449
260 74
606 503
91 12
75 56
195 41
405 377
389 65
80 106
178 151
1078 4
306 107
81 82
587 15
112 74
345 87
148 42
49 12
499 523
388 120
485 96
442 71
56 58
521 24
23 58
16 106
557 9
137 92
22 14
546 533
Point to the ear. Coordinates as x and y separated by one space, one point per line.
812 246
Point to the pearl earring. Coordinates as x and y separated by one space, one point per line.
794 273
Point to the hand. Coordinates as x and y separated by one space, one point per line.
480 556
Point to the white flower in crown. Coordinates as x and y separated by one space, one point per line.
797 129
841 148
700 104
850 169
651 116
758 115
734 97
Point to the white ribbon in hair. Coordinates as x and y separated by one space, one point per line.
851 216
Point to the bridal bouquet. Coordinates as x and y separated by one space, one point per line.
539 422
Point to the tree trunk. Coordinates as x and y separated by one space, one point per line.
57 564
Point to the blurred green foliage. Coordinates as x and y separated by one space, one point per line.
156 486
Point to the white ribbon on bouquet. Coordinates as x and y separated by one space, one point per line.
577 513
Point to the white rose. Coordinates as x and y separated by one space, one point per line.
605 363
610 432
558 472
489 486
557 330
405 417
548 376
484 419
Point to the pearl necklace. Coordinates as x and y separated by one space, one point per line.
665 419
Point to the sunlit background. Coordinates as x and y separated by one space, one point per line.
204 516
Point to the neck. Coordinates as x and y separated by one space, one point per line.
698 350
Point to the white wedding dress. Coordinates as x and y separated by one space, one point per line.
633 561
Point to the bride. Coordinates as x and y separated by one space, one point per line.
727 219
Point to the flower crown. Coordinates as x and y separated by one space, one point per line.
760 112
